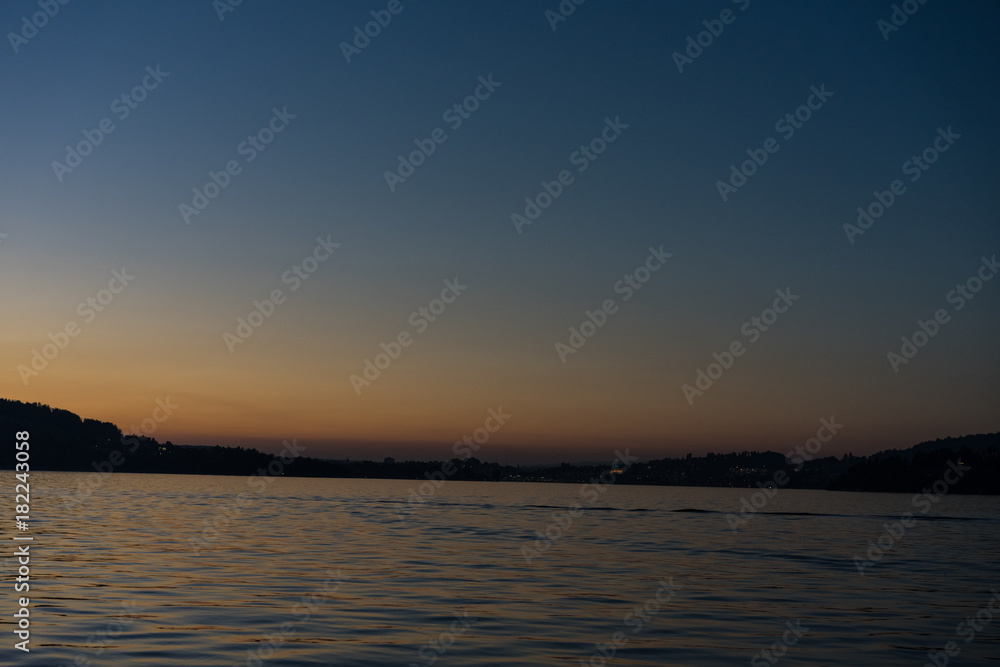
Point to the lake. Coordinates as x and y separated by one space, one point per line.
183 570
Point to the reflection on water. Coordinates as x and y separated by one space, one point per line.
182 570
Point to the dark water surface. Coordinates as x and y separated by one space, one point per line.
325 572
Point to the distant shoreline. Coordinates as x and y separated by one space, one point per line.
73 444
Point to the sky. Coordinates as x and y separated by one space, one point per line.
182 163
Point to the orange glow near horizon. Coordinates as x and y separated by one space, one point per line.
562 416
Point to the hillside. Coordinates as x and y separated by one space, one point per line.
61 440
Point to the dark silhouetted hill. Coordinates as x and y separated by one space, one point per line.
915 469
61 440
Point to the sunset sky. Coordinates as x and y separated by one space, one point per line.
669 137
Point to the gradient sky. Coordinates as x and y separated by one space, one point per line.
494 346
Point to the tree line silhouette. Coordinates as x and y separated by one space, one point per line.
63 441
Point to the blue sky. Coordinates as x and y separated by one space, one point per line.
655 185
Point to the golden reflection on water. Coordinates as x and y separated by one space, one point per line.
180 570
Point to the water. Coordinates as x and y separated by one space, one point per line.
117 580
